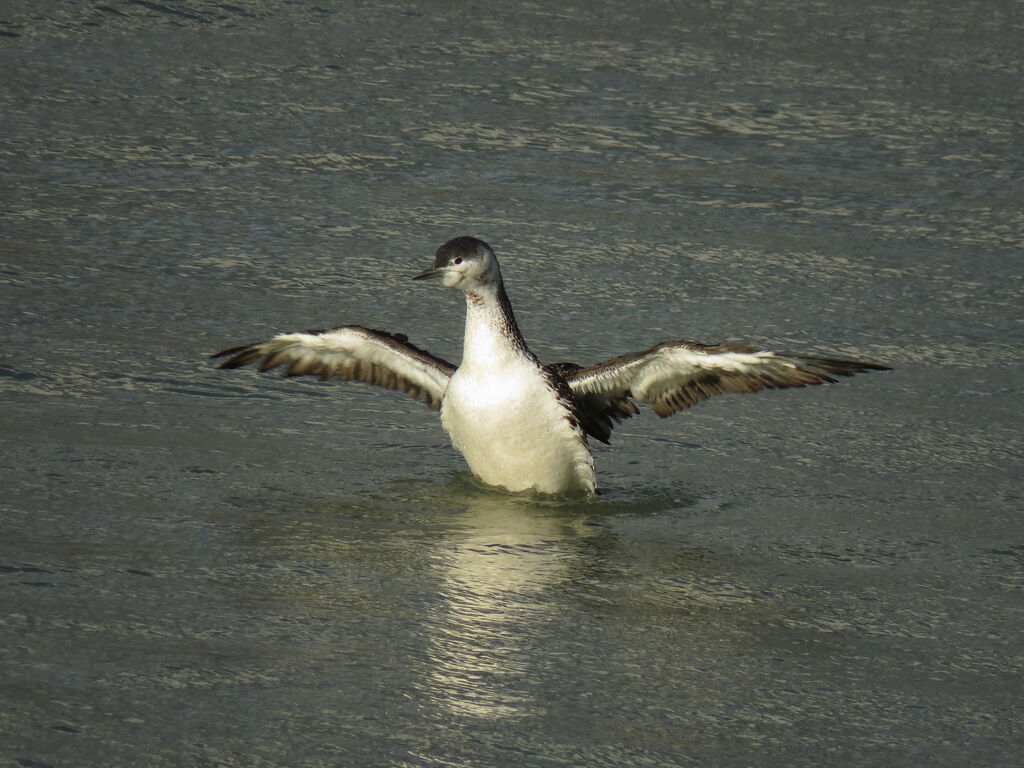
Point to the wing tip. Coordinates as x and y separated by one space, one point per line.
841 367
237 356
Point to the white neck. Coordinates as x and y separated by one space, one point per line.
492 338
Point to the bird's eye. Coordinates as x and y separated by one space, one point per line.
457 261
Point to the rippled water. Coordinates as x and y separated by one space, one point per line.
204 567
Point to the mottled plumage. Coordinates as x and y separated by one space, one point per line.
351 353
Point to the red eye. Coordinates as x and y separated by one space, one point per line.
458 260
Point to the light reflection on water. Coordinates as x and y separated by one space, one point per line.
495 570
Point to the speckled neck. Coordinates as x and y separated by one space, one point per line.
491 329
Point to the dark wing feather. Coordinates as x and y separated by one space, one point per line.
596 412
351 353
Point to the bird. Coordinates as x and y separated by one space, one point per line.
520 425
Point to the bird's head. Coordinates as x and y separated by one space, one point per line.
465 263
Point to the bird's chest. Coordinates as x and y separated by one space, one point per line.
514 432
497 405
503 415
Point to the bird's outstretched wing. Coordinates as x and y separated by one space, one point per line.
677 374
351 353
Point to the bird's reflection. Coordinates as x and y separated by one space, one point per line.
496 571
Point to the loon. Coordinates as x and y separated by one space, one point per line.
521 425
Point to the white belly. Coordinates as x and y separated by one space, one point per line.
514 433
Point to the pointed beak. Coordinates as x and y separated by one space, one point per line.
429 273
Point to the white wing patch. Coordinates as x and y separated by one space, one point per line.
671 368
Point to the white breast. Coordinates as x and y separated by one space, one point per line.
513 431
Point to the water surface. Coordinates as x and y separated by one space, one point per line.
220 568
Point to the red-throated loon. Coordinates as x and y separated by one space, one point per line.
519 424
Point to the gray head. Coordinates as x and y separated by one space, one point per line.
465 263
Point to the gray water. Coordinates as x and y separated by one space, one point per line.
222 568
